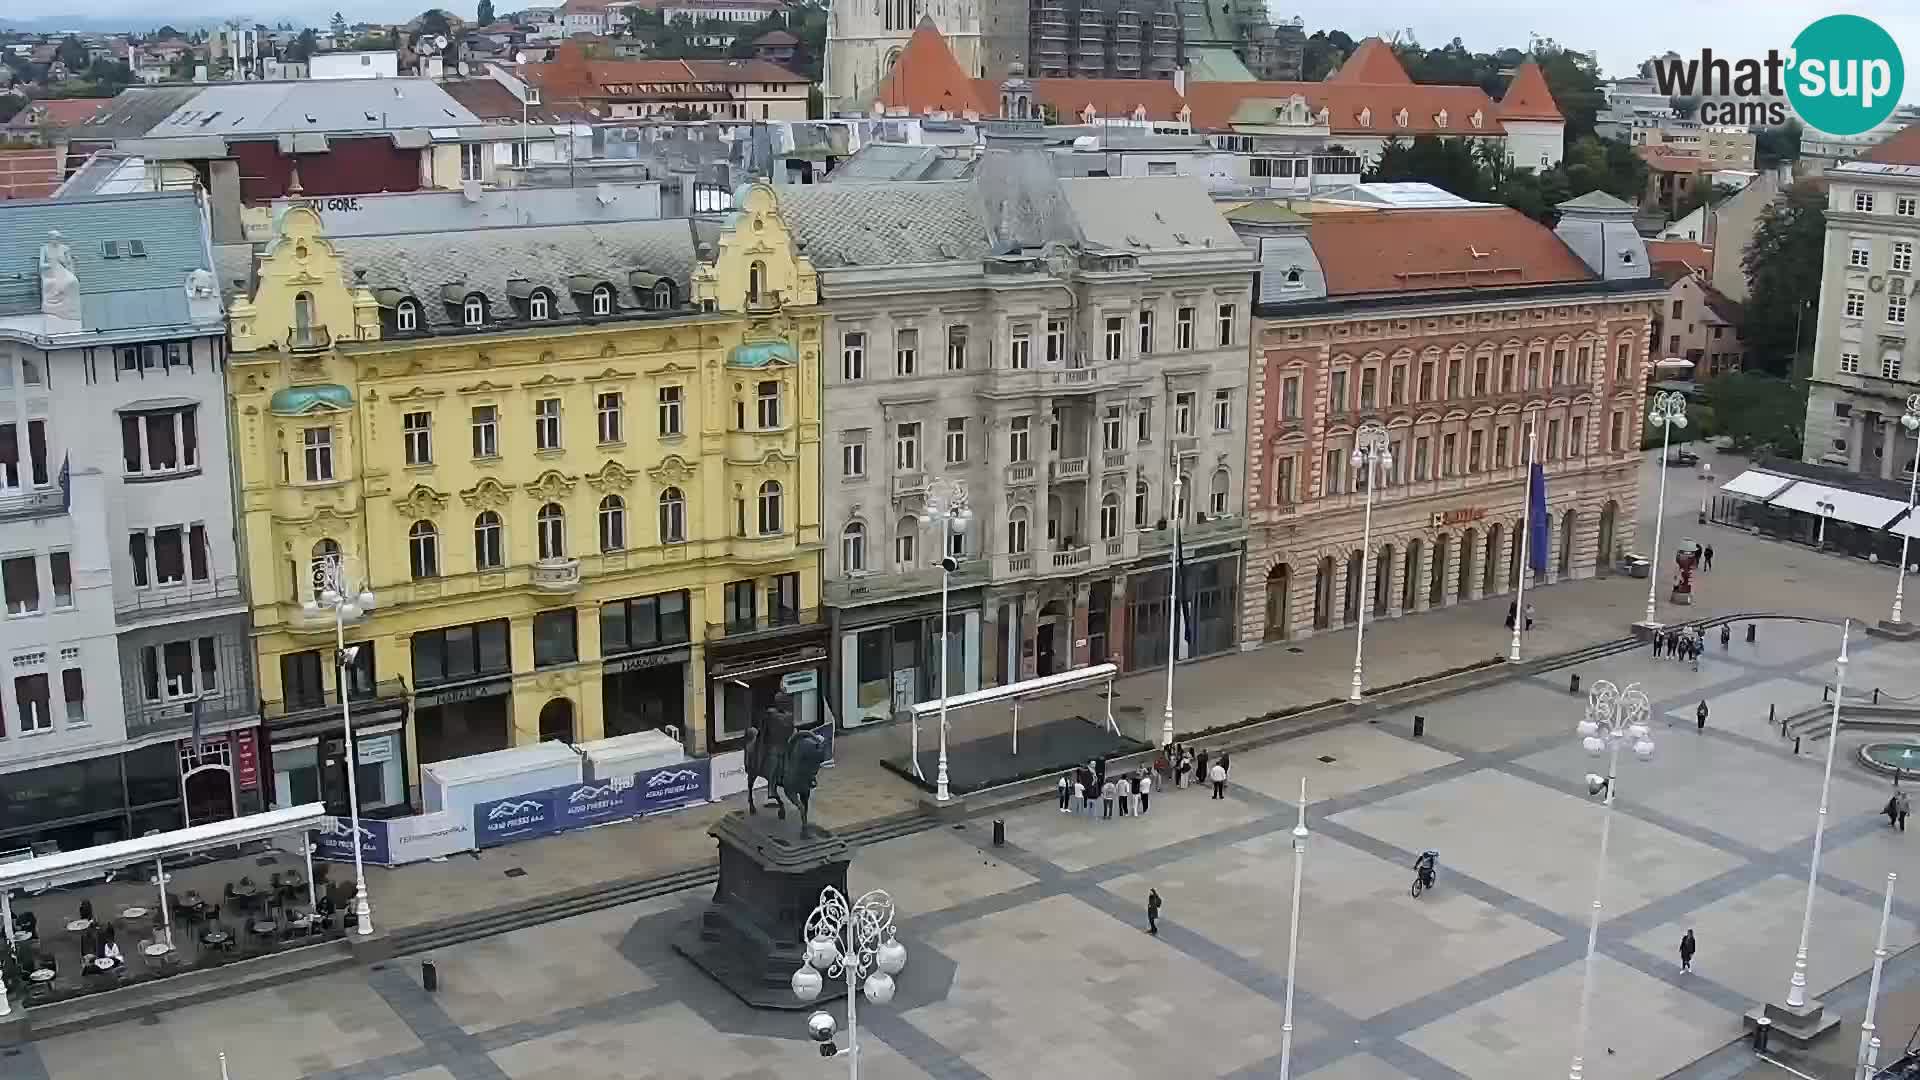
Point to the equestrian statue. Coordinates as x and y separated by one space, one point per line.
788 760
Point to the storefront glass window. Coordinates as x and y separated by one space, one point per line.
379 774
153 774
460 652
642 622
296 775
554 639
744 700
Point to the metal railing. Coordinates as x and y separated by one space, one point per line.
186 596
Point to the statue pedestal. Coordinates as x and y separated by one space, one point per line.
748 938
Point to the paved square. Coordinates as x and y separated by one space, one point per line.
1364 756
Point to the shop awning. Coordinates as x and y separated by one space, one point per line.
1852 507
1754 484
64 865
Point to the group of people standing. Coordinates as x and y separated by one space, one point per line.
1182 766
1130 792
1686 643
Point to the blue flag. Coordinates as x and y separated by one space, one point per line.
1537 517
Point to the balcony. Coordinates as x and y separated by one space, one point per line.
1020 474
314 706
309 339
1185 444
1044 379
21 503
1070 560
909 483
173 601
875 588
764 624
1113 461
1063 470
556 575
1212 530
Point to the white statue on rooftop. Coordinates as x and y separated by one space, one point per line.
59 286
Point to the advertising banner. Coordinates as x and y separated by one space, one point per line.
596 803
428 836
727 774
333 841
502 821
673 786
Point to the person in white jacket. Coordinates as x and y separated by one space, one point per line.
1218 775
1146 790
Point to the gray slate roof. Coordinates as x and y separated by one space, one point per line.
892 161
420 265
123 293
334 105
134 111
886 224
1147 214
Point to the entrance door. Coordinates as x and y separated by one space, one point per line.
556 721
1437 575
1603 552
1323 594
1279 590
209 795
1043 649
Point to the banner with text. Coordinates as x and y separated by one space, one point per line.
333 841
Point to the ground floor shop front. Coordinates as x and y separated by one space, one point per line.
889 655
1315 573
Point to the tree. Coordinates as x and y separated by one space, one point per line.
1684 107
11 104
483 15
1771 146
338 26
303 47
1760 412
434 21
73 54
1782 264
165 33
1575 86
1324 52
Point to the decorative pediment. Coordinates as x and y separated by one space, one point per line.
1477 119
609 375
327 516
551 485
673 469
546 379
612 477
671 368
488 494
1400 118
421 502
417 393
1440 119
485 387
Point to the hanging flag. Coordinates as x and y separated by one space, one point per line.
1182 617
1537 517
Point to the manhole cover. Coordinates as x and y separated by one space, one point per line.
1328 759
1295 649
518 871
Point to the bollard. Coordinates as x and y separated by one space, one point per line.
1761 1029
1772 718
1573 683
999 832
1876 695
1419 725
1749 633
1796 746
429 976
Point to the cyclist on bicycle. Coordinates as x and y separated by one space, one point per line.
1424 868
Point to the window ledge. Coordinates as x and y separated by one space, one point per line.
320 485
419 466
493 459
157 477
551 452
618 445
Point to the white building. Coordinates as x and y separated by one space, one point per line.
734 11
127 631
357 64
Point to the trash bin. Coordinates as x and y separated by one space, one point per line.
1573 683
1419 725
429 976
999 832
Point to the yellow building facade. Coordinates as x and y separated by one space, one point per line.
576 466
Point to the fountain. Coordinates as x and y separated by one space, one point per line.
1899 760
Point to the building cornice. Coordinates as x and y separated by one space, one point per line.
88 339
1456 302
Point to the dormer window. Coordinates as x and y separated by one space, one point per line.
406 316
539 306
1366 118
1295 278
1478 118
603 300
1440 119
1626 256
473 312
1400 118
663 296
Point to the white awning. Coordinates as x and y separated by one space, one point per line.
1044 684
63 865
1909 527
1850 506
1755 484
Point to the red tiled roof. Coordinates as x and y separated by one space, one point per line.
926 78
32 173
70 112
1527 96
571 74
775 37
1902 148
1110 98
1687 252
489 100
1372 62
1401 251
1214 104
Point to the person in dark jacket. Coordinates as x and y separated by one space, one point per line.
1200 768
1687 948
1700 716
1153 912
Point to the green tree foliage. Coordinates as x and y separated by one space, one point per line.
11 104
303 47
1325 51
1480 171
1782 263
338 26
1702 194
483 15
1759 412
1771 146
434 21
73 54
1575 84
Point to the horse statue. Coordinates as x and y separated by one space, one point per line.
788 760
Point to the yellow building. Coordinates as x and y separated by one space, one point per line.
577 467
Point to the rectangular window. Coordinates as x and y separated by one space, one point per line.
1368 379
137 553
1449 454
1476 442
956 348
1863 201
906 447
1622 364
1056 340
1553 439
1397 385
471 157
1856 305
73 688
1183 413
1901 260
1500 447
37 451
30 694
1183 329
197 555
1020 348
1017 439
1283 480
906 352
643 622
416 433
163 452
318 446
783 600
853 459
1143 422
1225 326
1559 373
62 565
1420 463
609 417
767 405
740 606
1427 372
1859 257
1615 432
1453 377
1905 205
853 356
1533 371
1290 398
1223 410
1116 337
1146 331
1507 364
1577 436
1337 393
169 556
1850 361
20 579
555 638
1112 423
546 424
1336 471
1480 373
956 440
1890 365
486 431
669 401
1896 311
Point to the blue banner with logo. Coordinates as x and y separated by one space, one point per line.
1539 528
672 786
503 821
333 841
594 804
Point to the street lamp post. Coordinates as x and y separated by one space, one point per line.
1869 1042
1613 716
1797 986
333 592
1293 933
1911 421
946 506
1827 507
1669 410
1372 456
1526 544
855 941
1173 612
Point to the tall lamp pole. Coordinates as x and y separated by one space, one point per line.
1911 421
1173 611
1526 543
1869 1042
1372 456
946 507
855 941
1293 933
1613 716
331 587
1669 410
1797 986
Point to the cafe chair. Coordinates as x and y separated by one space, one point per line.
86 910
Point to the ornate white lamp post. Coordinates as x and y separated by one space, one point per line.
1669 411
1911 421
947 508
1869 1042
1797 986
1293 933
331 584
1373 456
855 941
1614 716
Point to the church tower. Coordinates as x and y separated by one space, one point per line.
866 37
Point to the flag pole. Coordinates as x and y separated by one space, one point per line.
1526 546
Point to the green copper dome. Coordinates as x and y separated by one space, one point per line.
761 354
300 400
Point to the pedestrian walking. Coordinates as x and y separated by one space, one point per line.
1153 912
1200 773
1529 618
1688 947
1146 793
1700 716
1707 557
1123 793
1100 772
1106 801
1694 649
1066 792
1902 806
1219 778
1726 637
1226 762
1656 644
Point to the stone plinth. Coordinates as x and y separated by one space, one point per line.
1797 1026
749 936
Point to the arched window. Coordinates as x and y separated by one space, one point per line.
474 311
487 545
406 316
613 523
853 548
539 306
1017 531
1217 498
324 570
1109 515
769 507
602 300
756 281
423 549
673 517
303 314
663 296
905 540
1142 504
550 529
